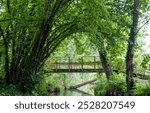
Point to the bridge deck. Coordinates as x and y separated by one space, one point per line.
90 64
75 71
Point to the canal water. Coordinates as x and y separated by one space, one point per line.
86 90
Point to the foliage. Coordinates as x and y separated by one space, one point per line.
9 90
142 88
101 86
34 31
29 83
31 30
116 84
40 88
55 82
146 60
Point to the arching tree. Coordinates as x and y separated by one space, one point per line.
31 30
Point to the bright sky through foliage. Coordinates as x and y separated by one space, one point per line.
146 41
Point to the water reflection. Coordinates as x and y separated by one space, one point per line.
86 90
75 92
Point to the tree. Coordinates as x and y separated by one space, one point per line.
131 44
31 30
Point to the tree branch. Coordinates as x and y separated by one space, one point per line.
142 26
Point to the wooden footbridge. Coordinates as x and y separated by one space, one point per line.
88 64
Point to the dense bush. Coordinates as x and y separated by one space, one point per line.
9 90
101 86
116 85
37 81
142 88
40 88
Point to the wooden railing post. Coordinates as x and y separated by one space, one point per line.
94 63
69 63
82 63
59 61
56 64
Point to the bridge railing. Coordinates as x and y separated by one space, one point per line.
82 64
92 62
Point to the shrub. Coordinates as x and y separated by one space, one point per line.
9 90
142 88
101 86
116 85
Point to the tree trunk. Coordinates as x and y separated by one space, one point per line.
131 43
82 84
107 69
105 64
6 56
25 64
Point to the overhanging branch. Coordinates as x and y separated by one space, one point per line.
142 26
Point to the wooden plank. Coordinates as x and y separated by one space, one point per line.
75 71
76 63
